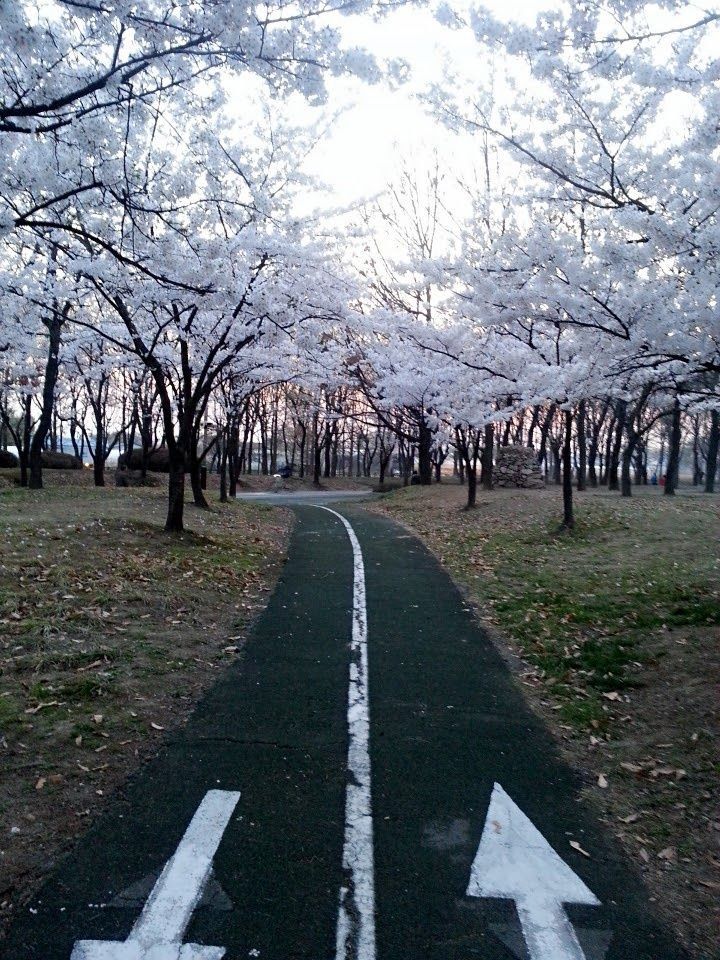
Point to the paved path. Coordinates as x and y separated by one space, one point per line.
300 497
253 802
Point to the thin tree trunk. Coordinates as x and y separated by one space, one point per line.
317 451
712 451
614 464
697 469
99 459
195 465
52 368
673 467
533 425
582 445
486 461
567 487
25 450
223 473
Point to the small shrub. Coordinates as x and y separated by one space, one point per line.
54 460
388 486
158 460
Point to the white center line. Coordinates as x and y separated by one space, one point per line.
356 912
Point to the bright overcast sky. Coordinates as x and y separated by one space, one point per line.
360 154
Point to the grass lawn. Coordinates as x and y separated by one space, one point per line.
613 633
110 630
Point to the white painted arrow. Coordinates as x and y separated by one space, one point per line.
159 930
515 862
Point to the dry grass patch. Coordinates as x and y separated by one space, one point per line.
110 630
614 635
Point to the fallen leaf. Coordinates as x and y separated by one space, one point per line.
631 818
631 767
576 846
156 726
41 783
669 854
97 717
602 781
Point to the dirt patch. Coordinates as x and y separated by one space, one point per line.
613 633
110 631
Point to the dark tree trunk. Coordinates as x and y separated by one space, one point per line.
317 460
673 467
263 444
317 452
698 475
567 486
52 368
627 455
582 444
471 471
605 459
544 433
232 454
506 434
335 454
424 454
195 465
594 446
303 441
223 473
99 469
534 420
273 438
25 449
556 450
614 463
73 436
712 451
468 443
146 443
176 493
327 453
486 461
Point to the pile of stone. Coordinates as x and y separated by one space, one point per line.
517 467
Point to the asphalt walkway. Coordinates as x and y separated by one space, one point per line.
249 833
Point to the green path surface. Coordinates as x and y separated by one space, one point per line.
447 722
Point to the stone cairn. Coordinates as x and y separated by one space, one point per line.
517 467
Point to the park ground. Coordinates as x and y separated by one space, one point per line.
111 631
613 633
